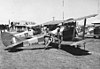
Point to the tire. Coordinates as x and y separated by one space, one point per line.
46 39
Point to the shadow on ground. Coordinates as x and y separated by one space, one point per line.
74 51
19 48
70 49
14 48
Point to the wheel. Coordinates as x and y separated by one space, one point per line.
46 39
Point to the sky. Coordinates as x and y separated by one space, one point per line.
41 11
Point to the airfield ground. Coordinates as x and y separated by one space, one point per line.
35 57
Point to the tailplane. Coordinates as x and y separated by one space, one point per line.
8 38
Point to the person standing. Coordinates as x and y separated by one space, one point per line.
60 34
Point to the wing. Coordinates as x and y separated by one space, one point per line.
81 18
69 20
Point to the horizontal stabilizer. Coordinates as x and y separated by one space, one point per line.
8 38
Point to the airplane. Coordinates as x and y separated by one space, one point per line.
68 33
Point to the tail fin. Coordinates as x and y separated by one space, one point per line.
8 38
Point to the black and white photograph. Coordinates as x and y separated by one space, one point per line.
49 34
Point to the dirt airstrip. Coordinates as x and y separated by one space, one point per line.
35 57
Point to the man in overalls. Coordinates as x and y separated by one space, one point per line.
58 33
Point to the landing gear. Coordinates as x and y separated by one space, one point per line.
47 41
52 39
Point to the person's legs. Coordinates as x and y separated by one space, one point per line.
59 41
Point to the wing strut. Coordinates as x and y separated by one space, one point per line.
84 28
74 32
